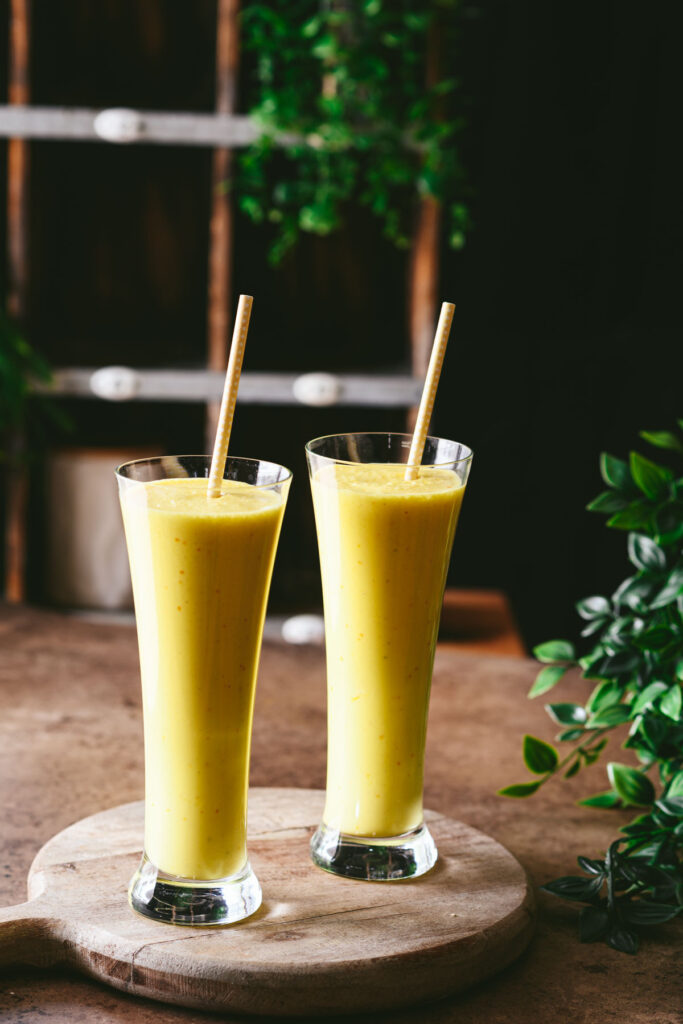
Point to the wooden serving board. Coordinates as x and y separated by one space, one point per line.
318 945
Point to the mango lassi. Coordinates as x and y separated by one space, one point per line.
385 545
201 572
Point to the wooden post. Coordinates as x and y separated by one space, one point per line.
18 164
424 278
424 264
221 226
16 478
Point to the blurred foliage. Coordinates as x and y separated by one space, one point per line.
23 415
346 84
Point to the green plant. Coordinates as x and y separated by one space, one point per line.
22 415
636 659
343 87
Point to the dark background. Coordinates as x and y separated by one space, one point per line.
567 334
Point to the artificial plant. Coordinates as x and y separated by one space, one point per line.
635 656
349 111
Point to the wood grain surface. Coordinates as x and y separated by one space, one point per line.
318 944
71 745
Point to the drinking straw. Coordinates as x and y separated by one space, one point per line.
431 383
232 382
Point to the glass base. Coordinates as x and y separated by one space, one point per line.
375 859
191 901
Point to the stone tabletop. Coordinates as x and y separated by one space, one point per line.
71 745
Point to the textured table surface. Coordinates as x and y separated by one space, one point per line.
71 744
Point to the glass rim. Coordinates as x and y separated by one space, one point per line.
288 474
387 433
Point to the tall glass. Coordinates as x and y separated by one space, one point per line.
201 570
385 545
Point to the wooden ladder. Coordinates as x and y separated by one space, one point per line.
20 123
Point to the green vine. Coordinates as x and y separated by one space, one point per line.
343 86
636 658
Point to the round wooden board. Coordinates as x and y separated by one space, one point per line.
318 945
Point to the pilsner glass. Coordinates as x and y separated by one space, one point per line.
201 570
384 545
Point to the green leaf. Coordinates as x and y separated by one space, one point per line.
647 697
669 523
675 787
615 472
569 734
519 789
616 714
616 665
645 554
606 799
633 787
643 912
651 479
555 650
575 888
591 607
311 27
662 439
651 851
539 757
603 696
672 589
573 769
589 661
546 679
634 593
596 625
635 517
654 639
623 940
607 502
671 703
672 805
590 866
593 922
652 730
567 714
640 826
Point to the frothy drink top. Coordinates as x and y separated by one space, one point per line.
388 480
187 496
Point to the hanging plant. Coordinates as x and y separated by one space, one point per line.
338 90
26 420
636 660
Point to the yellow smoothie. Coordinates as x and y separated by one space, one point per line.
201 573
385 544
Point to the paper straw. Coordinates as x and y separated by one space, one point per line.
232 382
431 383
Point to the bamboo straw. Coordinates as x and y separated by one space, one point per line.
431 383
232 382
